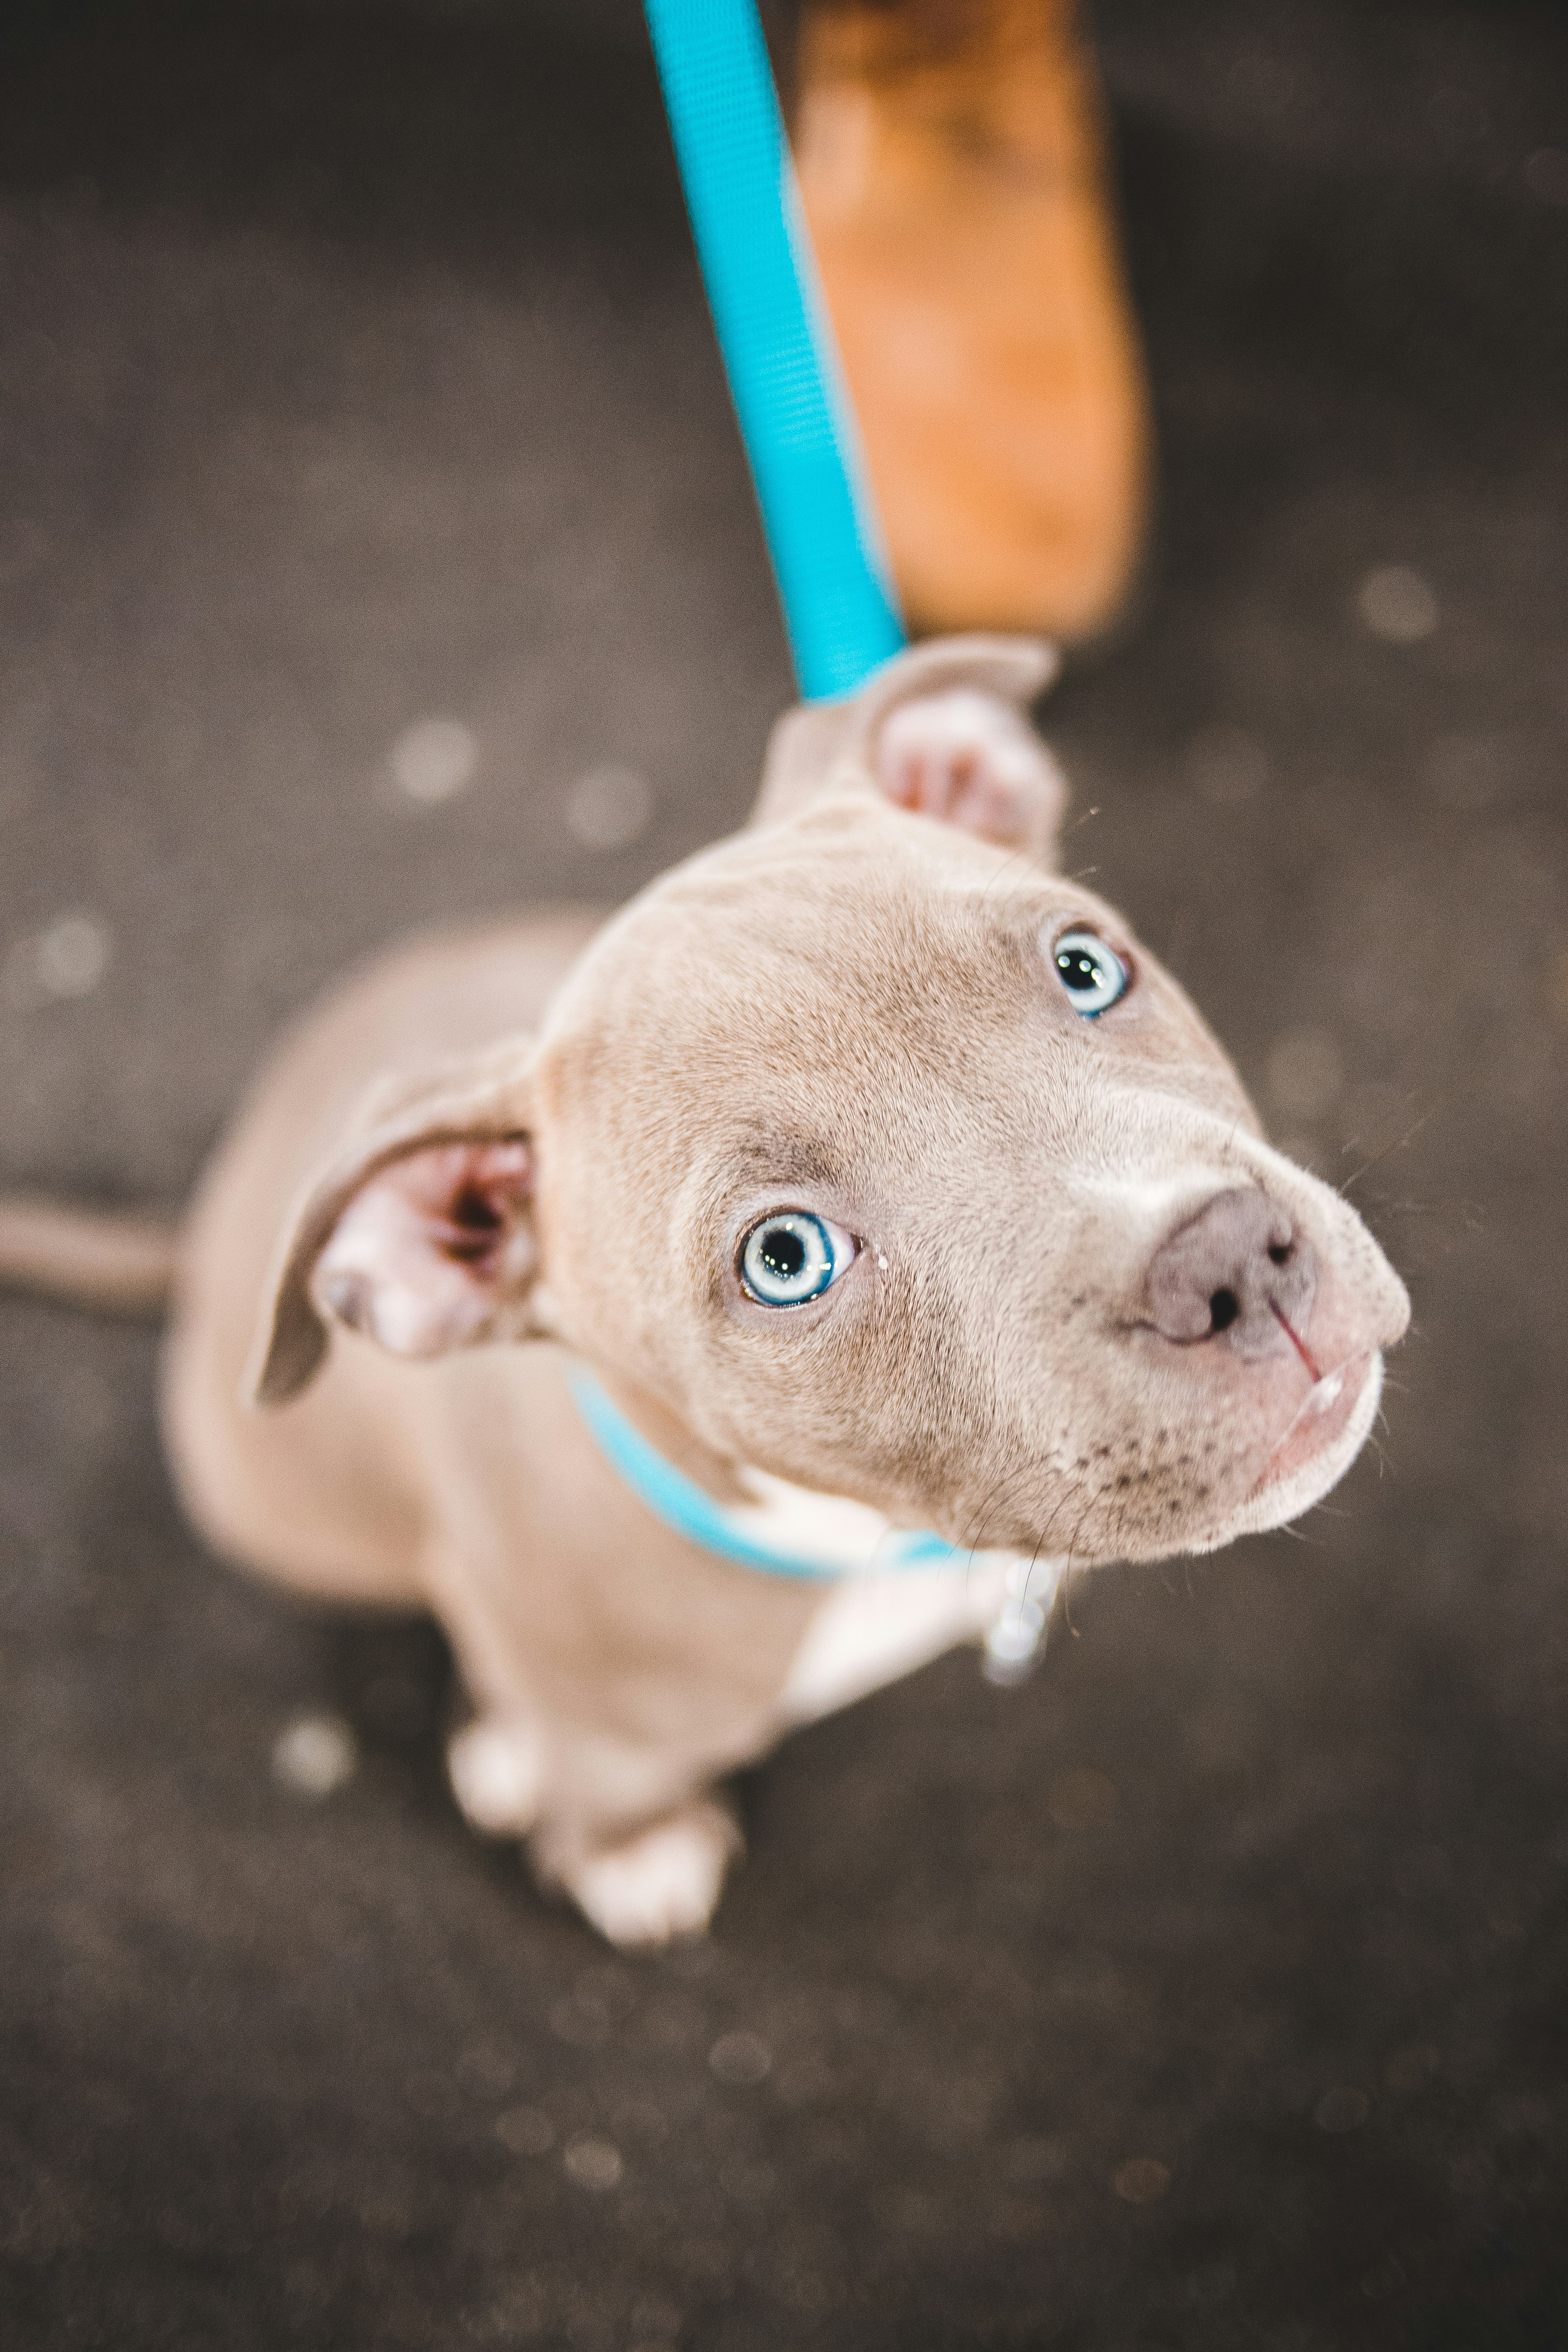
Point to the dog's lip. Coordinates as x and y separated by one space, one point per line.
1322 1415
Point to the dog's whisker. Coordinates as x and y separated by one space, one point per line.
993 1494
1094 1496
1468 1212
1013 857
1400 1143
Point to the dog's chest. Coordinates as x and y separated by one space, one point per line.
876 1622
892 1598
828 1535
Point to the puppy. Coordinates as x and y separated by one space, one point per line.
715 1314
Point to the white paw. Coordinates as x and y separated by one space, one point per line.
497 1770
660 1883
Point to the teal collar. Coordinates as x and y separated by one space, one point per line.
742 1532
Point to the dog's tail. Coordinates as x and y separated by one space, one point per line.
120 1265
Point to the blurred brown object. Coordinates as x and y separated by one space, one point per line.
950 156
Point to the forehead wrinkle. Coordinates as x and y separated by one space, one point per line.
891 974
783 1156
783 875
922 932
823 1017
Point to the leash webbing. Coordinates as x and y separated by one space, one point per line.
776 340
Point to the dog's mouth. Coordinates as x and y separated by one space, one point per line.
1333 1405
1300 1346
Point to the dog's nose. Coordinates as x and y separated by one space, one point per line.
1239 1268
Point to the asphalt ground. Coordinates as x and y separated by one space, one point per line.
1206 1993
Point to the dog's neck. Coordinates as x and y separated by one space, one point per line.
745 1514
767 1525
628 1402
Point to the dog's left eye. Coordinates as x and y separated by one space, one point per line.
793 1256
1093 975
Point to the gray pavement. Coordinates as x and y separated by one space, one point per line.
1206 1992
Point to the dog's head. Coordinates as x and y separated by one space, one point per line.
887 1160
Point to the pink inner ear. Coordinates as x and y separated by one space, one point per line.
466 1194
428 1245
970 761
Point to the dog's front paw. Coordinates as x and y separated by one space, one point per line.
497 1770
661 1883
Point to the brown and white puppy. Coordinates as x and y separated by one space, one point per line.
862 1156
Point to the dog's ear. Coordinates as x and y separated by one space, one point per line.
942 731
969 760
420 1233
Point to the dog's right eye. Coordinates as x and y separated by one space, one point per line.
793 1256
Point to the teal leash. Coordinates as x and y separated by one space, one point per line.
778 343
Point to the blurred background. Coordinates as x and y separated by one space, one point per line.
376 547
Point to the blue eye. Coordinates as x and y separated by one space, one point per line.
792 1256
1093 975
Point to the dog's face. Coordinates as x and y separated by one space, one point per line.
889 1160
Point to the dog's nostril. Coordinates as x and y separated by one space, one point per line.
1233 1270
